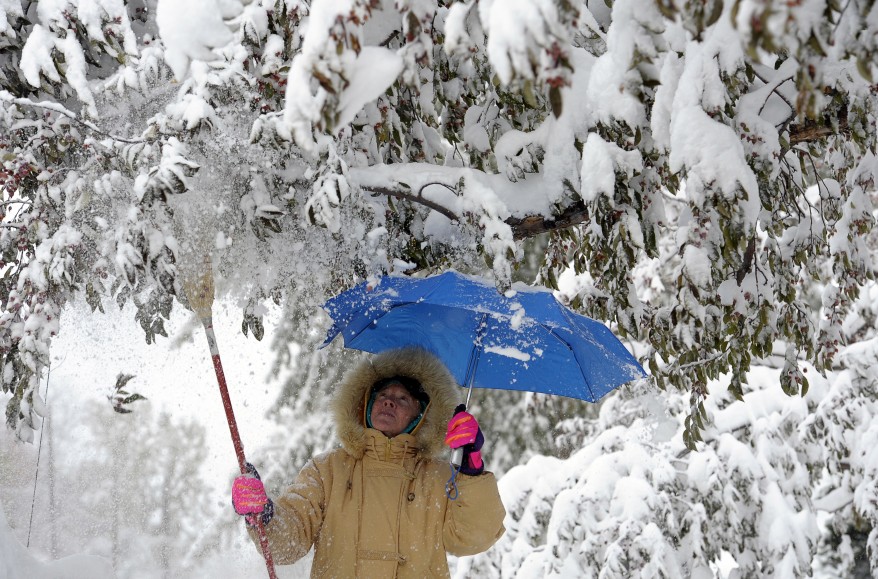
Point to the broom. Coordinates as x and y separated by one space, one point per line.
199 290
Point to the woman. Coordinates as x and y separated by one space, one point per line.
377 506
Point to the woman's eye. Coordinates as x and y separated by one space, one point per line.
402 401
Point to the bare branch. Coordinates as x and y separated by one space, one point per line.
522 228
810 131
777 82
533 225
419 199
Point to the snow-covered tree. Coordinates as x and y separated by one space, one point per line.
704 164
139 498
634 502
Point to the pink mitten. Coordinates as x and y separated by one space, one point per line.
462 430
248 495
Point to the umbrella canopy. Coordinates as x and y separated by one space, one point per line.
523 340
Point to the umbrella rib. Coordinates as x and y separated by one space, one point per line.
578 363
371 321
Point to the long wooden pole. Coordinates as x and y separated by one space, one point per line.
200 291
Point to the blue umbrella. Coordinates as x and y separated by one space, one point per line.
523 340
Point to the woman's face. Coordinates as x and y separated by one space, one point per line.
393 409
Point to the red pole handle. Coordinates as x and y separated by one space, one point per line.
236 439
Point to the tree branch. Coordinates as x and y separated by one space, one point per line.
522 228
810 131
57 108
533 225
419 199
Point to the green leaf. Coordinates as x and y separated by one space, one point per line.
132 398
258 329
122 380
716 12
556 101
864 67
92 298
527 93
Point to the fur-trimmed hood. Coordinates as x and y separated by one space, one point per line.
348 405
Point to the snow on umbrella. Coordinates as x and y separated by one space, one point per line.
523 340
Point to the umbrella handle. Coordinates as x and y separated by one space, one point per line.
456 460
457 457
457 453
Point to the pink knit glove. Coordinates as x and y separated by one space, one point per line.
462 430
248 495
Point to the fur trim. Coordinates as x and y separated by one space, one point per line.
350 398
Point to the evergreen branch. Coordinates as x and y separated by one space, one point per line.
702 362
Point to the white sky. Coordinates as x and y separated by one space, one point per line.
176 375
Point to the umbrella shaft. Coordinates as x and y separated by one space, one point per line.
469 392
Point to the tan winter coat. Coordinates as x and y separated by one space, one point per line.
377 507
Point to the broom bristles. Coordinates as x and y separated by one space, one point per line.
199 289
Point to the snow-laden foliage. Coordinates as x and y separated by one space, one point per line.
721 152
718 158
634 502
